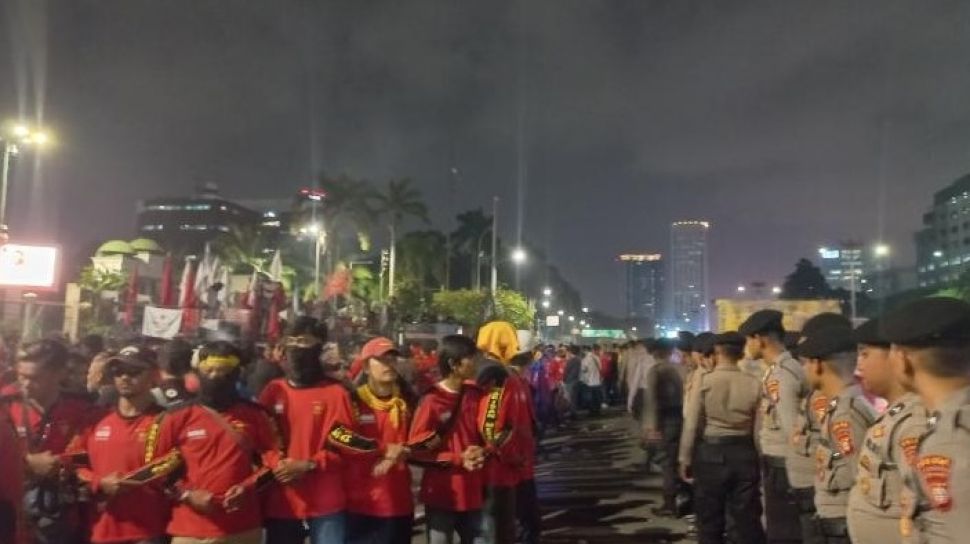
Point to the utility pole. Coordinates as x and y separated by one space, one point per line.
494 284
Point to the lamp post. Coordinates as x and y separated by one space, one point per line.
18 134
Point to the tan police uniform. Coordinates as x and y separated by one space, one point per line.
785 389
939 513
718 445
844 427
891 443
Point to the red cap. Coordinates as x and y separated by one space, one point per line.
377 347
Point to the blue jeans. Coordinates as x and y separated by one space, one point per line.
329 529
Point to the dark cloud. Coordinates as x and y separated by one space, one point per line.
787 124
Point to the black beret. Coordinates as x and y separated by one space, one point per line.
662 344
823 343
730 338
869 334
704 343
761 322
825 320
928 322
685 339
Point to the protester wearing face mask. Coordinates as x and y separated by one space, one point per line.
217 438
316 417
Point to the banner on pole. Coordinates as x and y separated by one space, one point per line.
161 322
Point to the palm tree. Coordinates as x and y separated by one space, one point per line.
422 257
344 212
400 201
465 239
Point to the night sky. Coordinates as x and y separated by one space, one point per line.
786 124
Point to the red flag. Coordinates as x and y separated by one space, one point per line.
273 326
132 297
337 284
187 286
167 295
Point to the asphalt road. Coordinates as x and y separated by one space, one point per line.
594 488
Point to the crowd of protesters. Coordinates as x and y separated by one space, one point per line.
185 442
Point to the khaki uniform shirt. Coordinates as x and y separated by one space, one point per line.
937 511
890 444
807 435
783 390
691 383
843 431
725 403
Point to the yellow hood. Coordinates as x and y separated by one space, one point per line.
498 339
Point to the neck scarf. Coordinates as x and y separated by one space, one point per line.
395 405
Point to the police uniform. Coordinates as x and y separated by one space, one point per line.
843 428
782 385
703 343
718 445
807 433
936 508
888 450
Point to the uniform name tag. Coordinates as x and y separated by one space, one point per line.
368 418
195 434
102 433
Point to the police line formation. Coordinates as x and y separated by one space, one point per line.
832 434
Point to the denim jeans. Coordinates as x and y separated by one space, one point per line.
320 530
443 525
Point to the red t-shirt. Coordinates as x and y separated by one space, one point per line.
117 444
501 405
54 430
11 477
524 423
307 416
445 484
215 459
555 370
385 496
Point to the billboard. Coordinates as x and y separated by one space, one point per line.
731 313
28 266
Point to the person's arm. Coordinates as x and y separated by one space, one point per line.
650 409
162 455
427 446
343 436
790 387
693 412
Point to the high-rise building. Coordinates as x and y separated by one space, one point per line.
688 276
845 263
943 244
644 274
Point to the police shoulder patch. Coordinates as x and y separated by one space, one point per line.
842 433
935 472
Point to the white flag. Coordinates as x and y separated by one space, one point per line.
276 267
161 322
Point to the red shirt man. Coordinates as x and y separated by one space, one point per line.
380 505
316 419
216 439
115 446
11 481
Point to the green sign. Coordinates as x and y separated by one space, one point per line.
604 333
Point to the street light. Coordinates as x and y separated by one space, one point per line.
519 255
572 318
547 292
741 289
776 290
545 304
881 250
17 134
561 312
585 310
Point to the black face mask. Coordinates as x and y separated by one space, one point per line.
303 366
219 393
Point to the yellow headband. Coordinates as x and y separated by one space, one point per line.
219 361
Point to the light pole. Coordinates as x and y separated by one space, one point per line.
17 134
494 282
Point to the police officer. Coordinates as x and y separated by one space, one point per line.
702 362
783 385
829 359
891 443
931 351
663 418
807 434
720 420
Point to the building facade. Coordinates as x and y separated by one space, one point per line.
844 265
688 274
943 244
644 281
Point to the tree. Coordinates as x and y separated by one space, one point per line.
472 225
806 282
467 306
422 255
398 202
94 284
